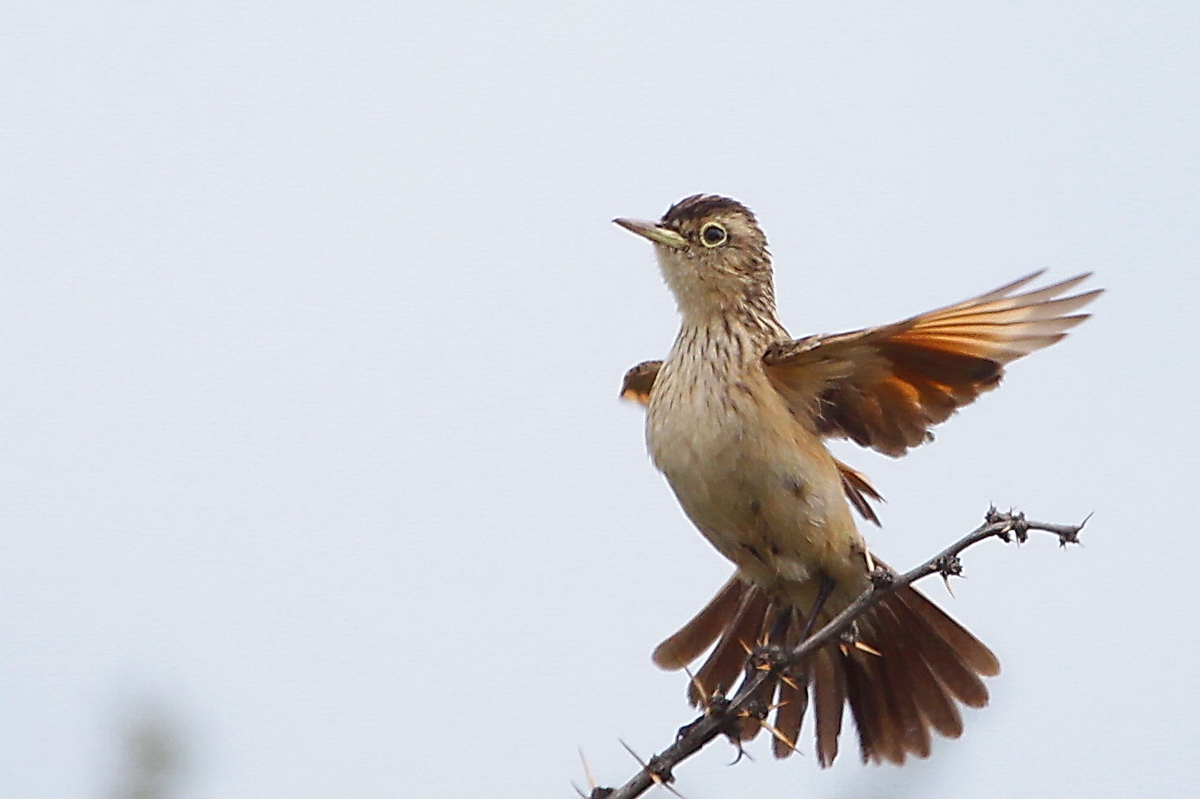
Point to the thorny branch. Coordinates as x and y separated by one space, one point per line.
722 714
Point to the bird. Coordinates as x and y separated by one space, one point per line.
737 419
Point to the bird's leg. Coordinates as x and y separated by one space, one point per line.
823 593
783 620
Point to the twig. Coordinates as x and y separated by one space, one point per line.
722 715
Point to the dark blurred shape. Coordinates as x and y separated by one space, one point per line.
153 755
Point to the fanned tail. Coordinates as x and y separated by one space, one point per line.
915 667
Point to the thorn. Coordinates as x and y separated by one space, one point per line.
741 752
672 790
870 561
1071 536
632 753
581 793
789 682
587 770
779 736
946 581
870 650
655 777
705 699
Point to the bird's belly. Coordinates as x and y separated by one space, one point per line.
765 495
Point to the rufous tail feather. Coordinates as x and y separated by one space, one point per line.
914 667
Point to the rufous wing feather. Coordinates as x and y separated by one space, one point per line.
639 381
884 387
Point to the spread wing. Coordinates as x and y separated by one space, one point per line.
884 387
640 380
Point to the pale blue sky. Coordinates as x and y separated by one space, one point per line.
313 322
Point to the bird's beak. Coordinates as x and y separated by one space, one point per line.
656 233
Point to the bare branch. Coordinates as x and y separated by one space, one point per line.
721 715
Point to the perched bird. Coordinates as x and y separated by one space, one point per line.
736 421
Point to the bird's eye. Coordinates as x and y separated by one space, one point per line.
713 235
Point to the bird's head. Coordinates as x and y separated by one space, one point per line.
713 256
